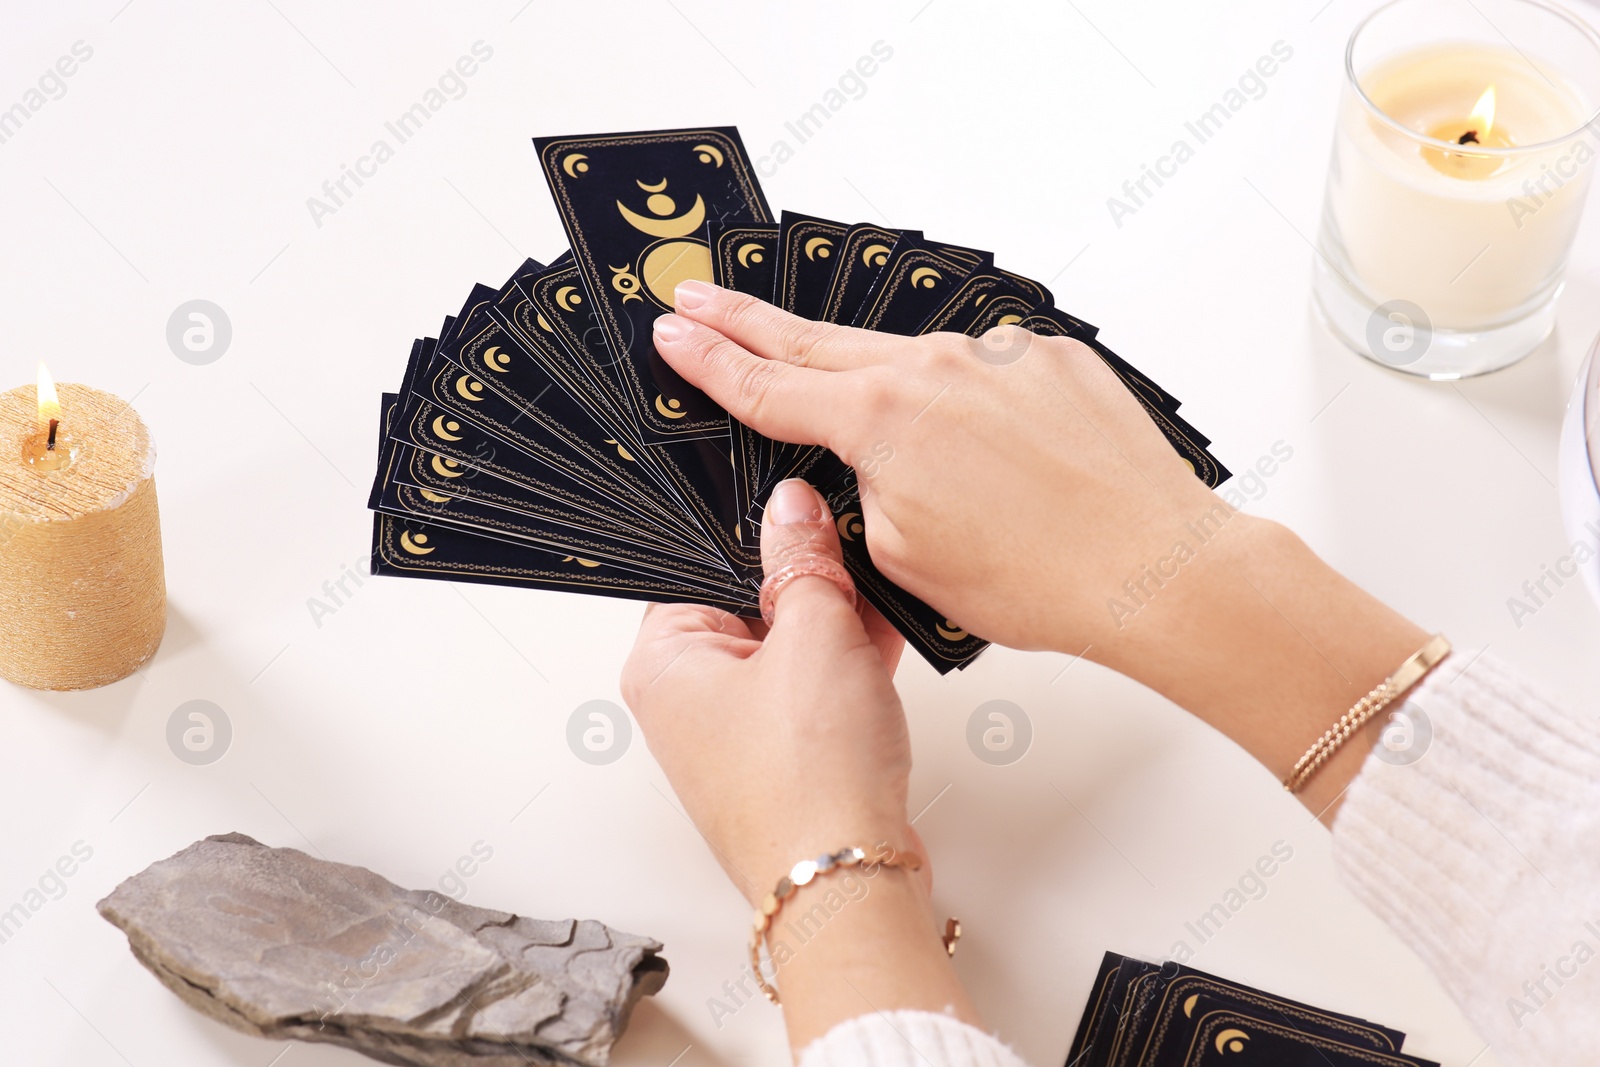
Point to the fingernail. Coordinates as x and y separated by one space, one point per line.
672 327
692 294
794 501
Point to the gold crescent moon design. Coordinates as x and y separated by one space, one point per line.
849 525
623 452
819 248
1009 320
659 186
978 303
568 297
709 153
750 252
544 323
467 389
440 498
951 632
414 545
580 561
875 255
445 468
443 428
1231 1040
496 360
1188 1005
574 164
669 408
926 277
682 226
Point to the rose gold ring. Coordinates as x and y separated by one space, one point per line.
808 565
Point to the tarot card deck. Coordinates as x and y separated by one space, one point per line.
539 439
1168 1015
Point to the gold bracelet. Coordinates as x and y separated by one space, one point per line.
803 873
1387 692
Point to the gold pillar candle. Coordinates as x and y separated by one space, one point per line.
83 599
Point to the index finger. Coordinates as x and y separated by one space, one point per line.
769 331
795 404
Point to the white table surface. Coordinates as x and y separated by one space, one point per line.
421 718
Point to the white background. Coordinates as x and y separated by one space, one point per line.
421 718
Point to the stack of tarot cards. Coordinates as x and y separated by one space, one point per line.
540 440
1167 1015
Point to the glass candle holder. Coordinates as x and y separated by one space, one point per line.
1465 142
1579 482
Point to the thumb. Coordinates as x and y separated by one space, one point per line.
798 538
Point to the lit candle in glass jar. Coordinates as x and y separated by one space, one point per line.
1458 179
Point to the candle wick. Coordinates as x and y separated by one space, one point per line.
1470 137
50 445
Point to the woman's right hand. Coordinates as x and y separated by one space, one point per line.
1015 484
1010 481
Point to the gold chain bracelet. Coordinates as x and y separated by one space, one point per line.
804 873
1387 692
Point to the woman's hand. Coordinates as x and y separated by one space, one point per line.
786 744
1012 481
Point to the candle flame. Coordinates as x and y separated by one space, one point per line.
49 404
1483 112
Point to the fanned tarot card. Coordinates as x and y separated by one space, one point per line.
541 441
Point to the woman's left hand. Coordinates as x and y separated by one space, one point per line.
787 743
780 744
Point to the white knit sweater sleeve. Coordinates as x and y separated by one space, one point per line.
1484 856
907 1039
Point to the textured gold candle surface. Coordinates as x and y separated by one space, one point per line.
83 597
